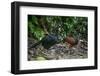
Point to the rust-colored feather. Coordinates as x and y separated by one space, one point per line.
71 41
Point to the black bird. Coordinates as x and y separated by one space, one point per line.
48 41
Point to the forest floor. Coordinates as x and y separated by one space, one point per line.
56 52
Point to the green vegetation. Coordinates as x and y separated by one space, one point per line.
60 25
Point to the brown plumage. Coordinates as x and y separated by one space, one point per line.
71 41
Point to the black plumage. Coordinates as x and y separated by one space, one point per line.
47 41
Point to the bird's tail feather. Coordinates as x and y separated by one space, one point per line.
34 45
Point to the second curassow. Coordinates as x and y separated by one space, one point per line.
71 41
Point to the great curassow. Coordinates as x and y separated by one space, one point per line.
48 41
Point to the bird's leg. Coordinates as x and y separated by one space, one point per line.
70 49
